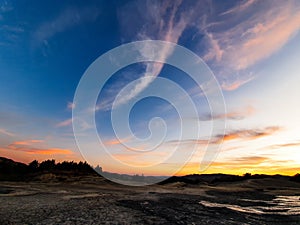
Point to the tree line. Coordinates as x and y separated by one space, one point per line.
15 170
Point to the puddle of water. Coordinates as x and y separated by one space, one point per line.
282 205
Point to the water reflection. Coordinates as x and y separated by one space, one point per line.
282 205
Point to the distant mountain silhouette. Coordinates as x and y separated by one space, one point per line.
211 178
50 170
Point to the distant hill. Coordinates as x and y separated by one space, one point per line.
10 163
49 170
11 170
211 178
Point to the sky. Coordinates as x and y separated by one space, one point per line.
251 47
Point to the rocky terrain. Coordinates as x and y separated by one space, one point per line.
94 200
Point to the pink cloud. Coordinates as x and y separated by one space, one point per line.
236 114
249 134
216 52
266 29
27 142
242 134
115 141
240 7
22 150
49 151
256 38
71 105
65 123
5 132
231 86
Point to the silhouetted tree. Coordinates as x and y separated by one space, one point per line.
247 175
33 166
10 170
48 165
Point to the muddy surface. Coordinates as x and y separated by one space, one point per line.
100 202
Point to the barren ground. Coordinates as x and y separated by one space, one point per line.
91 200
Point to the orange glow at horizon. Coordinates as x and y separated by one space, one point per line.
29 150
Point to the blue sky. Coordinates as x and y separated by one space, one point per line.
252 47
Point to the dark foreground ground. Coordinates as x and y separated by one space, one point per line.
91 200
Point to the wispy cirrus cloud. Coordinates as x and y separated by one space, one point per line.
40 151
238 114
26 142
71 105
231 86
37 147
49 151
115 141
65 123
242 134
231 52
163 21
7 133
249 134
215 52
244 160
234 52
68 18
258 36
189 141
240 7
283 145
